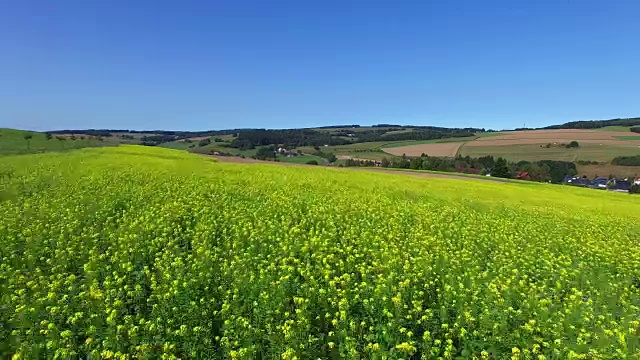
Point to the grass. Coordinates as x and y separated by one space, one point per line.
144 252
629 137
179 145
367 155
434 141
301 159
534 152
374 150
615 128
13 142
209 149
227 138
490 134
370 150
395 132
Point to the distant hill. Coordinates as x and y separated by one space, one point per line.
14 142
596 124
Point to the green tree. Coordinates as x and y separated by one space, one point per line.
537 172
385 162
28 138
500 169
415 163
267 152
48 136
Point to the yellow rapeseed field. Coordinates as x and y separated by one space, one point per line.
134 252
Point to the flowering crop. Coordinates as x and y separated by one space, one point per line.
134 252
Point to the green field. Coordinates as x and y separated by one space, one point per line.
616 128
179 145
373 150
492 133
535 152
143 252
395 132
368 150
302 159
13 142
629 137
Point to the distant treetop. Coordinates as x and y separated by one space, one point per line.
595 124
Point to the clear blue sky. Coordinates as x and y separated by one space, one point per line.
197 65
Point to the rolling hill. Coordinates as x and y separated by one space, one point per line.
158 253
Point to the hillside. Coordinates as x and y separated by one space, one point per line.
598 124
597 145
599 141
158 253
23 142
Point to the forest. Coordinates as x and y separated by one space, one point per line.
596 124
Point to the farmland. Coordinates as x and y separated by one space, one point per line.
447 149
534 152
142 252
616 128
605 170
595 145
21 142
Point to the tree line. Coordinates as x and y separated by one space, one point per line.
288 138
250 139
626 160
385 135
543 171
595 124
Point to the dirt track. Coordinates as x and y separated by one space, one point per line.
235 159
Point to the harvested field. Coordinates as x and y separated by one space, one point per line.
607 169
598 145
534 152
438 149
548 136
515 138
